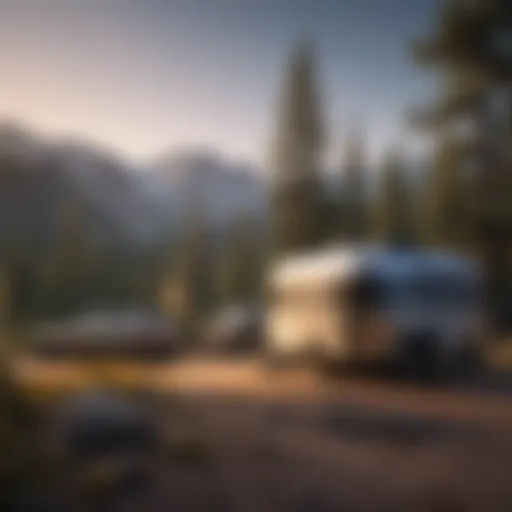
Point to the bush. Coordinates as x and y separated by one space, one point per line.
19 434
188 450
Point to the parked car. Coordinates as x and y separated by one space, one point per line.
136 333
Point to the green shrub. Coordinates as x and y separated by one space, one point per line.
19 436
188 450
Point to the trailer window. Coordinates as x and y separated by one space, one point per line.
442 290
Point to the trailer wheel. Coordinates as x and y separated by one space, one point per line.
469 362
423 360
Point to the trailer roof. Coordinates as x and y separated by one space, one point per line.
336 263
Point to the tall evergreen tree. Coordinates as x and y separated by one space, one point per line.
5 299
353 206
443 208
65 276
297 196
393 219
471 48
192 280
239 269
24 282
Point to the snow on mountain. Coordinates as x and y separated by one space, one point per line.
39 177
121 203
111 187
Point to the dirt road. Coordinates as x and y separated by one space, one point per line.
244 438
487 398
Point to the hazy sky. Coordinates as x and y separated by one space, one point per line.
141 76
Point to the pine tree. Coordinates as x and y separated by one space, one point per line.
472 50
393 220
443 215
297 197
22 265
239 272
352 208
193 269
69 268
5 299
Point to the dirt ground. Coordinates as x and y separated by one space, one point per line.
239 437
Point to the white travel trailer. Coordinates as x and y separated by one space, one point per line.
375 304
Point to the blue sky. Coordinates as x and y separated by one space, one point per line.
142 76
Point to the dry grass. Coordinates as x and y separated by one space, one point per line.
189 450
48 379
272 447
499 354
